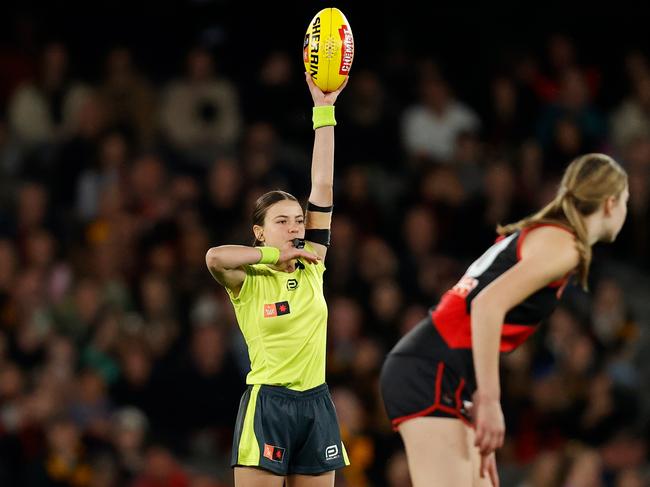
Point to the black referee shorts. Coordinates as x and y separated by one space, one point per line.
288 432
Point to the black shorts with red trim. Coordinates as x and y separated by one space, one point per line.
422 376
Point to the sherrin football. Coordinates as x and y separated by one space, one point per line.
328 49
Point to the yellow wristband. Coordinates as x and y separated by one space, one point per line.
323 116
270 255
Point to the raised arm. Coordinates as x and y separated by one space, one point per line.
319 214
548 254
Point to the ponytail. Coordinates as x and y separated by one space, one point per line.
587 182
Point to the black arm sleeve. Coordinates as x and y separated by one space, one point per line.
318 235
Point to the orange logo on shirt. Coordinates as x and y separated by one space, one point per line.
270 311
276 309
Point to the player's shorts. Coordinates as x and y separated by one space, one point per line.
288 432
423 377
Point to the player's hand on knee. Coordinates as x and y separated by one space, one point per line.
489 469
489 423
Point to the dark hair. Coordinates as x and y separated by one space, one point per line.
587 182
263 204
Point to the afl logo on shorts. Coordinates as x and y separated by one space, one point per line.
273 453
292 284
331 452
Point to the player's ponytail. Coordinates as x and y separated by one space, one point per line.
568 205
587 182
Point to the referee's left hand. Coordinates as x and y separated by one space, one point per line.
289 253
320 98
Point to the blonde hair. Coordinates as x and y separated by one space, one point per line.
587 182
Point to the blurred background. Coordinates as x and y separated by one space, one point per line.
134 138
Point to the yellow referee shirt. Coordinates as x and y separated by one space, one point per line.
283 317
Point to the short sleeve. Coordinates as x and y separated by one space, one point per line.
247 287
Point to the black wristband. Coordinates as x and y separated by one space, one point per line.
321 209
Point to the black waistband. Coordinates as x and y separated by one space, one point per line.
285 392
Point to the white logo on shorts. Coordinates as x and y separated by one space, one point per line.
331 452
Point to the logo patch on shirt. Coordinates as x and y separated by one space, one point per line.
292 284
465 286
276 309
273 453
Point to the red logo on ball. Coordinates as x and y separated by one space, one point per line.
347 49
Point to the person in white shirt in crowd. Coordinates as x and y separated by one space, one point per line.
430 128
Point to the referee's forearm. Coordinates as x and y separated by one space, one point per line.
228 257
322 167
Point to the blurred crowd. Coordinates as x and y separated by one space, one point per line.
121 363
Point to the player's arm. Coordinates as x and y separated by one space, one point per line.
319 208
548 254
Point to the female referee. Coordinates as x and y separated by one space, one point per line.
440 383
286 426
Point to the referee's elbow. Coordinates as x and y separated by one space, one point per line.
212 258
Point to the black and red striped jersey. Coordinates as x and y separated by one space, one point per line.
452 316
